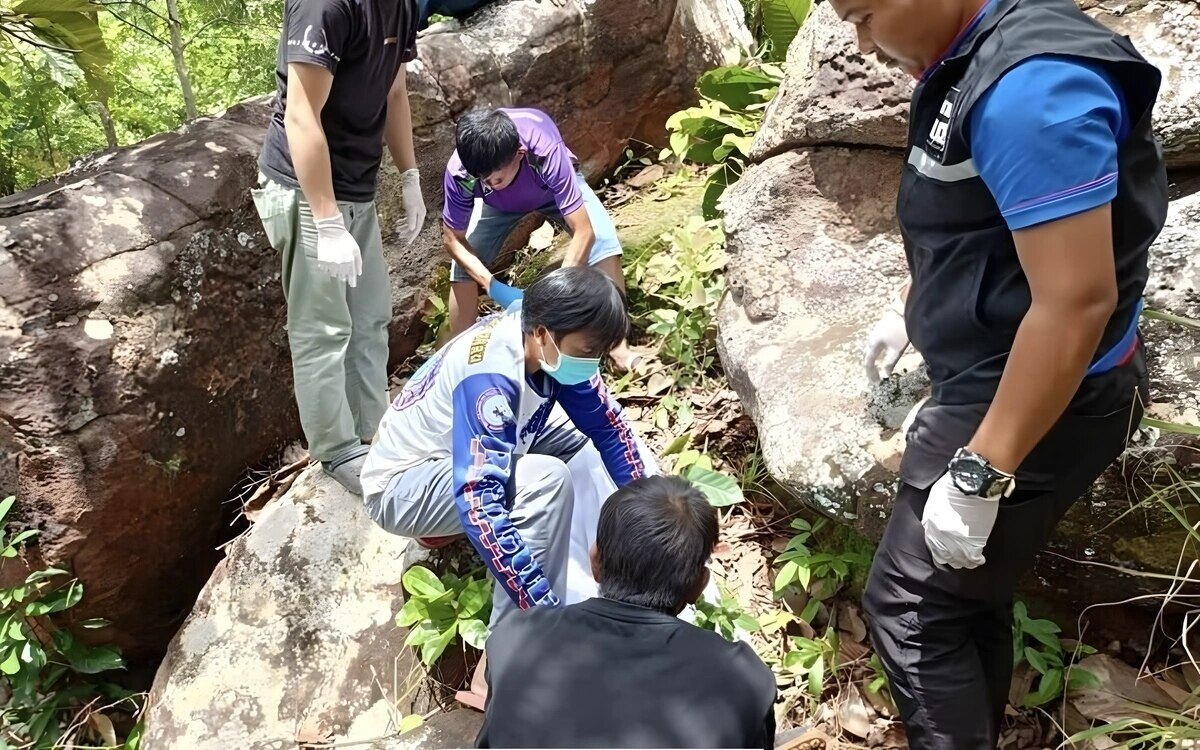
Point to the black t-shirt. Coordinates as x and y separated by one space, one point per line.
606 674
363 43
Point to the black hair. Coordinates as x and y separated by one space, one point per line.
577 298
654 537
486 140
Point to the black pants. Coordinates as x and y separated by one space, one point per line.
945 635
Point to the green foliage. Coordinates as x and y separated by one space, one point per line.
439 610
721 489
674 292
813 660
1162 730
800 567
720 129
724 617
781 21
51 674
1036 642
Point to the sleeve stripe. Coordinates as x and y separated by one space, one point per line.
624 433
1051 197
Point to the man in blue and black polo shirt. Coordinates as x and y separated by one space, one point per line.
1032 191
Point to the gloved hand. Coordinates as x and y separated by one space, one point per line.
957 525
503 294
888 338
337 253
413 203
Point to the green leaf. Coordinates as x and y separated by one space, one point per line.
12 663
1036 660
720 489
59 601
62 67
435 646
134 740
411 722
816 677
1176 427
16 630
421 635
677 444
41 575
737 87
786 576
804 578
6 505
1078 679
781 21
715 186
1049 688
95 623
28 533
420 581
413 611
473 632
42 7
810 610
748 623
94 659
474 598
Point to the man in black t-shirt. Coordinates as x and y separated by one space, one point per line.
341 94
622 670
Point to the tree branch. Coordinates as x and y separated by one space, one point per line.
204 28
34 41
136 3
135 27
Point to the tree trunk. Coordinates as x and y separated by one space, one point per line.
110 130
181 69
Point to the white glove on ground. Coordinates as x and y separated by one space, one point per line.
337 252
957 525
413 203
888 339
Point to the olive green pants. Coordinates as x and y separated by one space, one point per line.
337 333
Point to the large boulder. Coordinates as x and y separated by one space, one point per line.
833 94
143 356
814 259
294 634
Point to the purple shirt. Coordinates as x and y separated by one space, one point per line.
552 181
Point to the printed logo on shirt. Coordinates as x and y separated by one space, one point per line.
480 342
537 421
312 47
420 383
493 410
936 141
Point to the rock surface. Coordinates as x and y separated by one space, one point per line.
814 259
294 633
143 358
834 95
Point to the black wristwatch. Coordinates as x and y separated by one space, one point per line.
972 474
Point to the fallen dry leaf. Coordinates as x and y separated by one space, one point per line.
1119 691
850 622
1021 684
850 651
647 176
659 383
855 715
890 736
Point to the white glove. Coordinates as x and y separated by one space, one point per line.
337 252
888 338
413 203
957 525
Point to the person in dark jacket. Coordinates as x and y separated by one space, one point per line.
1032 192
621 669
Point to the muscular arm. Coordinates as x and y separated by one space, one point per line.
1072 278
1045 139
398 128
308 90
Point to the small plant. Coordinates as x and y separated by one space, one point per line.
679 288
813 660
721 489
720 129
1045 654
802 568
441 609
724 617
51 675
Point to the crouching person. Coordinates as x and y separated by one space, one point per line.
621 669
474 445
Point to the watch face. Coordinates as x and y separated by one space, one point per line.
970 475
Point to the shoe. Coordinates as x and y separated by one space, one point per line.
347 469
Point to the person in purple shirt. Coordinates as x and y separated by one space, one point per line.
514 162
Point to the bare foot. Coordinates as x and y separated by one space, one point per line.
628 359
